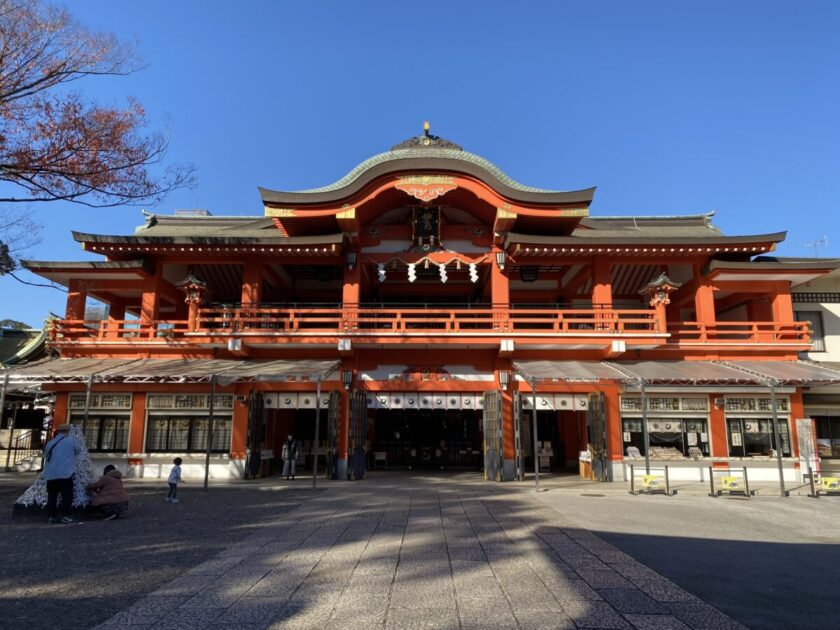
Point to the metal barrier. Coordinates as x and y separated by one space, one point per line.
651 484
731 485
823 486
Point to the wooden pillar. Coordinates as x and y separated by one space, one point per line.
116 314
704 304
782 304
343 432
499 294
76 300
252 283
759 310
717 428
602 282
351 296
137 430
508 429
612 421
239 431
60 415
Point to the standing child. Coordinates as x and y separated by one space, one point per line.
174 480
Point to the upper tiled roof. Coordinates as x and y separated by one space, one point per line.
426 152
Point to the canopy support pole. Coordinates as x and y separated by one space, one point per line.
645 434
536 439
210 431
317 431
88 396
777 438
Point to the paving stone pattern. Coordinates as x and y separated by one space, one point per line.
434 556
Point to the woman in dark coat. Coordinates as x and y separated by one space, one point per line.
109 496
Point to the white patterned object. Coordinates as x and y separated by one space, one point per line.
36 495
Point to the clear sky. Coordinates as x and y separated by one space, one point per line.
668 107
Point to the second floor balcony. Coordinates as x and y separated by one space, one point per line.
423 324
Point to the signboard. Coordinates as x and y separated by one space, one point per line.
810 450
267 453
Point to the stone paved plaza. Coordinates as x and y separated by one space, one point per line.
421 554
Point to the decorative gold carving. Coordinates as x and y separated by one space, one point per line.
279 212
573 212
426 187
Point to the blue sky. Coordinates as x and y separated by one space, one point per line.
668 107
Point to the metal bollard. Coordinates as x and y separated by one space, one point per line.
667 483
746 483
813 483
632 480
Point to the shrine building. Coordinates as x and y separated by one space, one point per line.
425 307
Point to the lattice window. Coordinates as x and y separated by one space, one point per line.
100 401
664 404
631 403
189 401
695 404
764 404
160 401
740 404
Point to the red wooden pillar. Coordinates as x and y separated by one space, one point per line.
351 296
60 415
602 291
343 432
150 301
704 299
782 304
508 432
76 300
602 282
717 428
499 293
116 314
252 283
239 431
137 429
612 420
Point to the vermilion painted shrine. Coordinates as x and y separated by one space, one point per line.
425 295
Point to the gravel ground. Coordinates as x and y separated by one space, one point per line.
76 576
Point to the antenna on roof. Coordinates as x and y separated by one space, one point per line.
823 242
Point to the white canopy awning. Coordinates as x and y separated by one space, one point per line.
167 371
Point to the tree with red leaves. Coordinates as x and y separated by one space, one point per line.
54 144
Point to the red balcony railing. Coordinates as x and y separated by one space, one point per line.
740 332
432 320
213 323
372 321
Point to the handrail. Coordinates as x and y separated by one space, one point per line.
22 448
434 320
739 332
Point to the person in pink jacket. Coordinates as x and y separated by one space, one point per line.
109 496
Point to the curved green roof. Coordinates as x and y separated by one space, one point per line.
427 153
452 154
